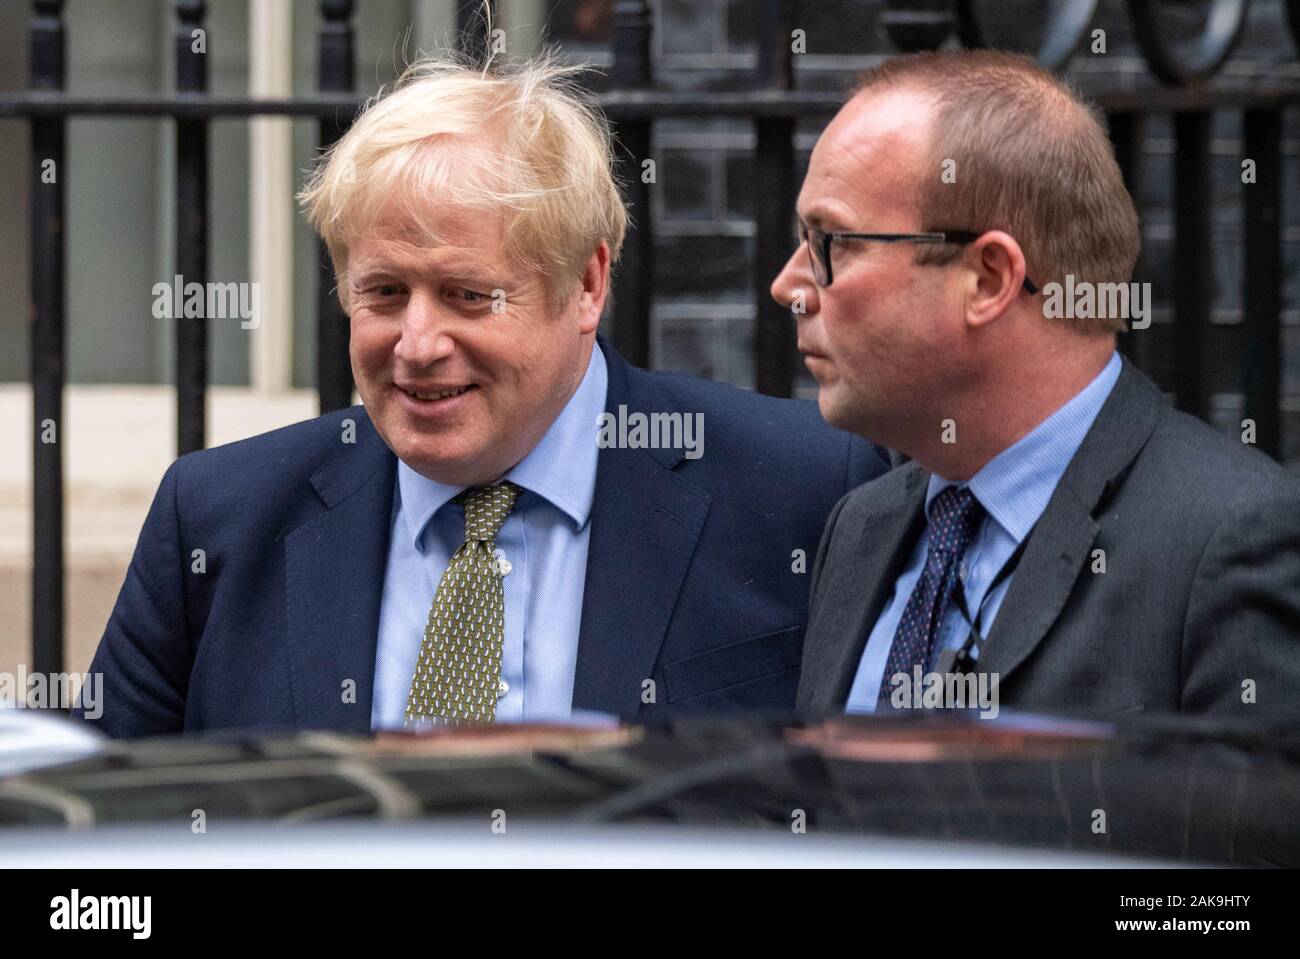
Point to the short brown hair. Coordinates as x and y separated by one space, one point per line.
1031 157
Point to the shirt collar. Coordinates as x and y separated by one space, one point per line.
561 468
1016 485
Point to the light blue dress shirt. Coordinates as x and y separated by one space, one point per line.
544 541
1014 488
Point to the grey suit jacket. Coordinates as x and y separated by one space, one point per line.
1199 601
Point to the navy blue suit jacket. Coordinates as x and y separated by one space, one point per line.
690 575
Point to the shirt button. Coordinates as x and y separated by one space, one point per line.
503 564
503 687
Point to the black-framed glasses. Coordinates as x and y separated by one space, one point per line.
819 247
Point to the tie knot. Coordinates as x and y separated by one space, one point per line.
954 516
486 508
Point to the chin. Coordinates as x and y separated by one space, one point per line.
846 416
427 454
831 411
452 472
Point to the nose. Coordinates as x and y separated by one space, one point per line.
425 332
794 287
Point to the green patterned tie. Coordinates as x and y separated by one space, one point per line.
459 670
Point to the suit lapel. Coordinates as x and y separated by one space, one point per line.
853 588
334 578
1059 547
645 525
1055 557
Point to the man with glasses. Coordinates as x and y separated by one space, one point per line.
1061 537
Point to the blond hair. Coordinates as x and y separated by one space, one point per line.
1030 156
523 141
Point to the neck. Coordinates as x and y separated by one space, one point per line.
997 412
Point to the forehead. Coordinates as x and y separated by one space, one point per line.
867 164
407 234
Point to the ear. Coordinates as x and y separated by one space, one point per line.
999 266
593 288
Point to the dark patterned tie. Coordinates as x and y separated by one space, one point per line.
955 514
459 670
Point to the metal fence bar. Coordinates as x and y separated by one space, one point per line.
335 74
774 328
633 294
1193 268
48 371
1261 356
191 229
1127 136
618 104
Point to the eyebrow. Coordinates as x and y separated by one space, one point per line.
819 219
369 275
460 269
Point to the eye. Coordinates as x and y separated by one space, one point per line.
465 298
382 291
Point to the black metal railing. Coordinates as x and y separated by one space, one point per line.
333 368
190 42
49 140
634 104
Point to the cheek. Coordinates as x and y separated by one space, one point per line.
851 324
371 341
523 351
877 312
523 383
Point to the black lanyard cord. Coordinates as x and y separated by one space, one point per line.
954 660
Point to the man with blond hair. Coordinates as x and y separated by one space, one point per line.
1061 539
517 525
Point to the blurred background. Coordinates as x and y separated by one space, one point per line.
732 95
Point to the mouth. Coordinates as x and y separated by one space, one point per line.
816 363
436 394
433 398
